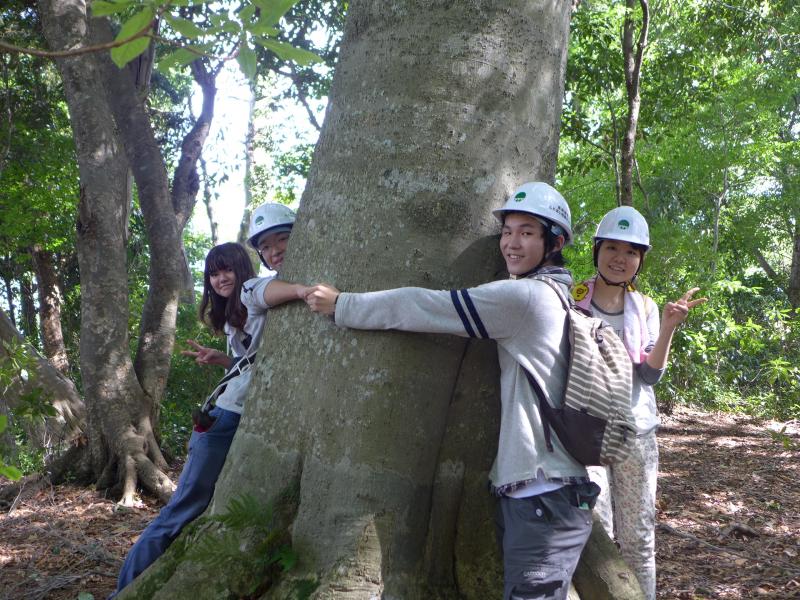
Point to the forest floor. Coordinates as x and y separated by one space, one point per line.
728 509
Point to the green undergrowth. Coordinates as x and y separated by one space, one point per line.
237 554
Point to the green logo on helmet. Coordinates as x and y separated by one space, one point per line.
259 220
519 197
623 224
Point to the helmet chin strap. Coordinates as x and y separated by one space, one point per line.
536 268
622 284
625 285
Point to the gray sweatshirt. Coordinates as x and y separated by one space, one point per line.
527 320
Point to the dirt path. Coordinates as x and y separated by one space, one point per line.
729 521
729 508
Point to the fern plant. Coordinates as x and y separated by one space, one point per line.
244 545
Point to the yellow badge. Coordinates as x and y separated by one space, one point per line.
579 291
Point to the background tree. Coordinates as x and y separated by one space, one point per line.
717 181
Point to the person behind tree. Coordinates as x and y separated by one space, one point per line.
626 506
235 302
545 497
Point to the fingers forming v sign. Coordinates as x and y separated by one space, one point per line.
676 312
686 299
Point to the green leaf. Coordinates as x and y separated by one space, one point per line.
3 423
247 61
231 27
262 29
247 14
136 23
288 52
185 27
181 56
122 55
101 8
273 10
10 472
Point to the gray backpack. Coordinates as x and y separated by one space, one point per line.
594 423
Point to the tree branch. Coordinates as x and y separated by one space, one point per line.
301 96
762 261
11 48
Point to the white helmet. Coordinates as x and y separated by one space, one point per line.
543 202
624 224
269 218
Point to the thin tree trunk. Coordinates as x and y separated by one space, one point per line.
26 294
249 162
719 202
50 301
615 161
766 267
207 200
633 66
9 290
794 277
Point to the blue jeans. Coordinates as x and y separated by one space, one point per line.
207 452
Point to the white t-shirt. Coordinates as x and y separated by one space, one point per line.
252 296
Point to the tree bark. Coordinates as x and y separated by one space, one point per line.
633 67
602 574
26 294
166 274
9 291
213 224
794 275
437 110
68 424
50 301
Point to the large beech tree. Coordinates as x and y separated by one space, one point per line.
384 440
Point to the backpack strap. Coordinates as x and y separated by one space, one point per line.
565 302
545 410
242 364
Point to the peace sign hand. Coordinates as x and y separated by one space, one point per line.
206 356
676 312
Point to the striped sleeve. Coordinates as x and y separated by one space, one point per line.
486 311
464 306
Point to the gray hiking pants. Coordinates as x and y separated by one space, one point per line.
541 538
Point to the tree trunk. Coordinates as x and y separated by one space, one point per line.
213 224
26 294
112 130
50 300
633 66
794 275
437 110
121 441
249 164
51 433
